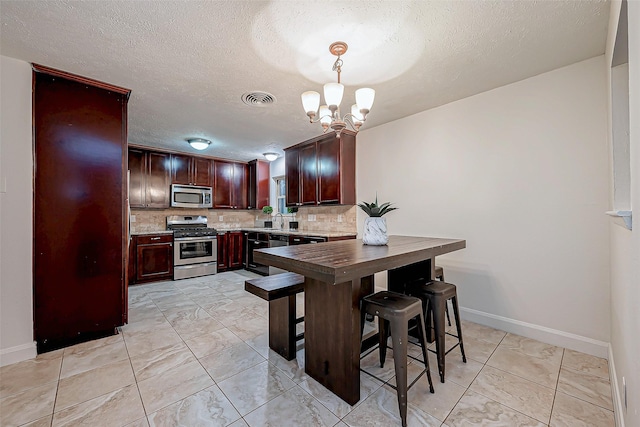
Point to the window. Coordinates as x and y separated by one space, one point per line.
281 193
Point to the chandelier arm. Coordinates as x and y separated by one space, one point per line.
311 120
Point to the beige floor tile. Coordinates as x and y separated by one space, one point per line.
42 422
240 423
476 410
481 332
90 345
173 385
532 347
260 344
161 360
96 382
381 409
28 405
437 404
212 342
208 407
118 408
456 370
538 369
590 388
293 369
254 387
295 406
515 392
193 322
230 361
569 411
153 339
371 364
478 350
249 327
585 363
84 360
142 422
339 407
28 374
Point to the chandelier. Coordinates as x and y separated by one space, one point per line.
329 115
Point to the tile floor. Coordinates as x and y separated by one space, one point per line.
196 354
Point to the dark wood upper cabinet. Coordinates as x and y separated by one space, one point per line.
201 171
190 170
258 184
229 185
308 174
292 175
336 170
322 171
80 228
158 180
149 179
137 178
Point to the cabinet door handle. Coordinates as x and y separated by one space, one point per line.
155 238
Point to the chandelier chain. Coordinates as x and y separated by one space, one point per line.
337 67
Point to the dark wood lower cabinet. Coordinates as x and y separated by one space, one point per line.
235 244
230 250
154 258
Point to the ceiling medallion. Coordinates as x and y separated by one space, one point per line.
329 116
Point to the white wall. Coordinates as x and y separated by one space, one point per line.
521 173
16 195
625 244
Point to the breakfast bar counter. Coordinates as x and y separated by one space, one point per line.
337 275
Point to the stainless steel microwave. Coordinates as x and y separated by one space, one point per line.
191 196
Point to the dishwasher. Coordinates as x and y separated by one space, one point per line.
276 240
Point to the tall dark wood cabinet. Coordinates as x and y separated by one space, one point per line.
258 184
80 227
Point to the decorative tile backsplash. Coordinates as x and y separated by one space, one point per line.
317 218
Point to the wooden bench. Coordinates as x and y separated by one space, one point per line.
280 290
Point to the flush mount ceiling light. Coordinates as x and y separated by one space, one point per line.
270 156
330 113
199 143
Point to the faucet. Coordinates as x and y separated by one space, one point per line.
281 220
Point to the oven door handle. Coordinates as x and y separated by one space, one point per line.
191 239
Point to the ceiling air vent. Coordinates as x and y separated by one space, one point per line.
258 99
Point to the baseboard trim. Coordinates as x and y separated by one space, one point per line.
18 353
537 332
615 391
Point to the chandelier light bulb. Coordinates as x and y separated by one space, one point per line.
364 99
333 94
310 102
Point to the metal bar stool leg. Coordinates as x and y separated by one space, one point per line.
399 337
439 307
456 314
423 343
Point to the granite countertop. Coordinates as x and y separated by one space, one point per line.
264 230
146 233
287 232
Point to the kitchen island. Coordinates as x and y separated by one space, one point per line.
337 275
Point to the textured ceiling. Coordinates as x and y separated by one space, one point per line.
189 62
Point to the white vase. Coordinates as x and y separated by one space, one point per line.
375 231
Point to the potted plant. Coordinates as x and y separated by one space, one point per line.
375 227
268 210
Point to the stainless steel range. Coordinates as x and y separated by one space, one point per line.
195 246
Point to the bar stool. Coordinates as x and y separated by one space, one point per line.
439 274
434 296
394 311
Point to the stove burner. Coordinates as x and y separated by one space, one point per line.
194 232
189 226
